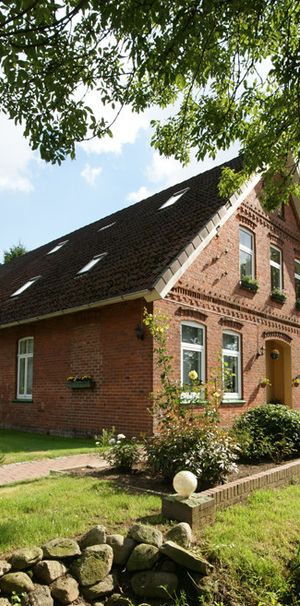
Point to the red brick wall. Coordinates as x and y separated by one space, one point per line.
100 343
209 293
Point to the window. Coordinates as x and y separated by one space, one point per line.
246 253
297 278
231 364
25 286
276 268
192 351
173 198
106 226
57 247
25 364
92 263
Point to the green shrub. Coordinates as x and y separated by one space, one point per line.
270 432
208 451
124 452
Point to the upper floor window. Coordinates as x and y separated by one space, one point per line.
276 268
192 351
231 364
246 253
297 278
25 366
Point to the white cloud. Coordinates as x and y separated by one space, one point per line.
125 130
90 174
15 156
142 193
164 172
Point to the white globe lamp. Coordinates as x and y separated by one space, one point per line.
185 483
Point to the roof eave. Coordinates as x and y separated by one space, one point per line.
148 295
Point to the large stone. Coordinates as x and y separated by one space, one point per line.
40 596
4 567
94 536
65 590
26 557
143 533
48 571
117 599
185 558
61 548
16 581
154 584
93 565
100 589
180 534
143 557
121 546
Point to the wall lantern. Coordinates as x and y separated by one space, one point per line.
275 354
139 332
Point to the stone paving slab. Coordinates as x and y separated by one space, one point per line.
31 470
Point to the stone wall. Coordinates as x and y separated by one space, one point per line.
102 568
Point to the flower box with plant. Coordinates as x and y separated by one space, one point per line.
249 283
278 295
265 382
80 382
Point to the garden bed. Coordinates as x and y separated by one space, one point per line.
142 480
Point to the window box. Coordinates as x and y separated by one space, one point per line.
81 384
278 295
249 284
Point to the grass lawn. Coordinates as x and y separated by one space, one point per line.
256 540
22 446
33 512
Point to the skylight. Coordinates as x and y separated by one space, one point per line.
107 226
57 247
25 286
174 198
92 263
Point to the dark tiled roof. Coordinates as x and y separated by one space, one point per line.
139 246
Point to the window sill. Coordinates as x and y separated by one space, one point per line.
233 402
22 401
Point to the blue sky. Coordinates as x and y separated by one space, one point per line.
41 202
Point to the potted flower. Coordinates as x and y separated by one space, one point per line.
80 382
249 283
278 295
265 382
296 381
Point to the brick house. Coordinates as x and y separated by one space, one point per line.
75 307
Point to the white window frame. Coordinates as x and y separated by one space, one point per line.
192 347
91 263
277 265
25 286
234 354
297 276
106 226
173 198
250 251
57 247
25 356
